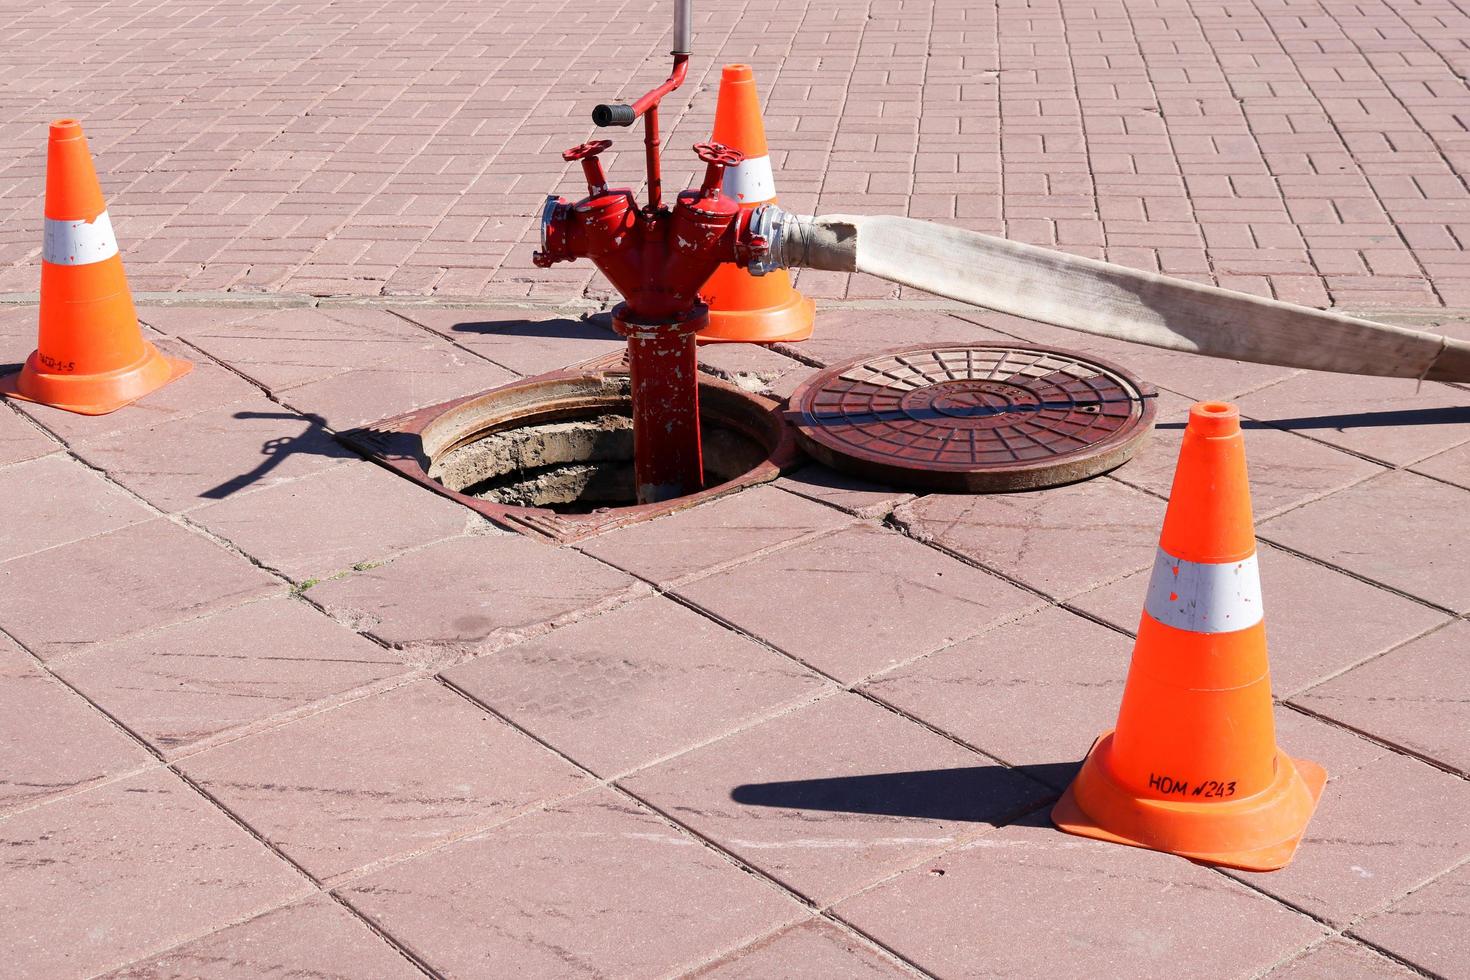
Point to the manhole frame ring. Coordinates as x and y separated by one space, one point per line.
388 441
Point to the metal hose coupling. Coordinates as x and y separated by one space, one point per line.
800 241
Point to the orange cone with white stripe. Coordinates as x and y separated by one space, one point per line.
755 309
1193 767
90 355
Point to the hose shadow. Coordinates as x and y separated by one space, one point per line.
970 794
1444 415
316 440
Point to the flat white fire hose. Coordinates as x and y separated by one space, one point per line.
1110 300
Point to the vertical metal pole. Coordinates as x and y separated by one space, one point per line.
683 27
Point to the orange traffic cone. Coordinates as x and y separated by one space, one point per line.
1193 767
756 309
90 354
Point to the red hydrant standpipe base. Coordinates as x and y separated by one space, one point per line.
662 361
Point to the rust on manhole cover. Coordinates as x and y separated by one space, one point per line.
974 417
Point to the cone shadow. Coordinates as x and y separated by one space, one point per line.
975 794
559 329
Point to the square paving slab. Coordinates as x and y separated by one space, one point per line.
858 601
51 740
715 534
386 776
115 584
454 596
333 519
1426 928
1026 901
315 938
104 878
595 885
1416 697
836 795
193 682
1059 541
623 689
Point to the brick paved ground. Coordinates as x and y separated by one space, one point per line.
268 709
1315 149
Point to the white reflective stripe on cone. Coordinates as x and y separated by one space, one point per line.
1204 598
750 181
79 242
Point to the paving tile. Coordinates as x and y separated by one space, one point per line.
1285 469
593 886
620 690
1427 928
18 325
857 497
1380 829
54 499
418 377
1451 466
458 595
115 584
858 601
314 938
1074 907
1340 957
1399 529
714 534
341 516
1416 697
834 796
754 367
1033 693
19 440
1318 621
215 454
287 347
192 682
206 386
1060 541
51 740
108 876
381 777
525 341
1396 420
813 950
843 335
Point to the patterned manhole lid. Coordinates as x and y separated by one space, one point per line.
973 417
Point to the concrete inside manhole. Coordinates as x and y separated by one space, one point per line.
574 465
553 455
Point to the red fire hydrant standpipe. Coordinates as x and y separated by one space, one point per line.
658 258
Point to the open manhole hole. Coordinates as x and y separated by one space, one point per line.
553 455
974 418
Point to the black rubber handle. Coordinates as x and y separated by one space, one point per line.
614 115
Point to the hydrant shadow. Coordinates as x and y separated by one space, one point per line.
316 440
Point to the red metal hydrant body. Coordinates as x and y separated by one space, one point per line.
658 258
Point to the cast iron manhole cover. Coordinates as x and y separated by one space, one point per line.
974 417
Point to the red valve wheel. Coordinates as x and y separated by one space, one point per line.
590 149
719 153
